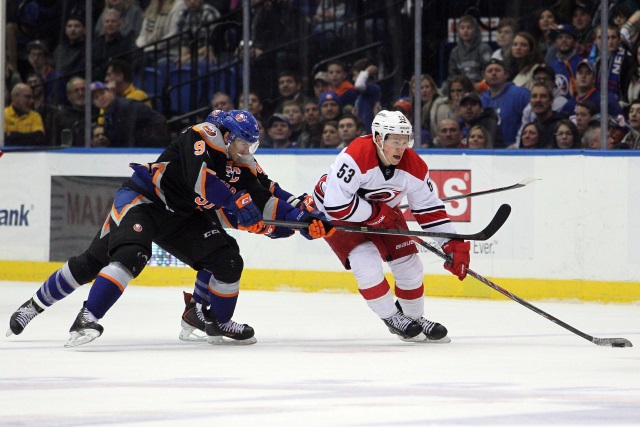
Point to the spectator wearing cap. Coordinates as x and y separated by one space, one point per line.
506 98
22 125
119 78
522 59
330 106
566 59
581 20
69 55
473 114
111 44
587 91
620 63
278 132
365 73
471 54
129 123
321 83
39 58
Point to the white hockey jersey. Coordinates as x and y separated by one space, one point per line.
357 177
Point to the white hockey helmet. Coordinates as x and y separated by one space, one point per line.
392 122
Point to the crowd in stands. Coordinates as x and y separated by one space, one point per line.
535 89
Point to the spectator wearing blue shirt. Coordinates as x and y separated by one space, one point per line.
588 91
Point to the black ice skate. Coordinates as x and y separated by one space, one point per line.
405 327
84 329
192 319
228 333
22 316
434 332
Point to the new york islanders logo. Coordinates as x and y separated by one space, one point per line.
241 117
210 130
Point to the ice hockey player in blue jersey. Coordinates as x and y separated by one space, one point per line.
173 202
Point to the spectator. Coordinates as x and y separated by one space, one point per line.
406 109
50 114
429 94
581 21
129 123
479 137
330 106
449 108
193 22
254 106
565 135
289 89
40 61
530 137
633 88
110 44
278 132
505 32
566 59
585 111
546 22
99 137
340 84
586 91
130 15
591 139
321 83
449 134
72 115
472 115
632 138
349 128
541 100
293 111
69 55
160 22
506 98
22 125
471 54
119 78
330 135
523 58
312 135
367 103
221 101
619 66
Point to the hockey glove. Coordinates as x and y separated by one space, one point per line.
274 232
248 215
383 216
306 202
319 225
459 263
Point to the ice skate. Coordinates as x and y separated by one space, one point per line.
405 327
22 316
228 333
84 329
434 332
192 320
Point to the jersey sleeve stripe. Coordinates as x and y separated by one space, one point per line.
344 212
434 224
431 209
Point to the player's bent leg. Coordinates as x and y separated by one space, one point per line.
373 286
409 290
127 261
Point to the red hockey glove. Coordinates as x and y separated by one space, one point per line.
459 263
383 216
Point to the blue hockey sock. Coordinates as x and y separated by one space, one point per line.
223 297
107 288
201 287
56 287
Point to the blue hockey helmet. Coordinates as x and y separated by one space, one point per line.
215 117
243 125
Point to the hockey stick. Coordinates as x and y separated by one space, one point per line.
522 183
612 342
500 217
66 137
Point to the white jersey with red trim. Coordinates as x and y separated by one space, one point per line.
357 177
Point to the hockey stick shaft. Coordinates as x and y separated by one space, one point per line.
498 220
522 183
613 342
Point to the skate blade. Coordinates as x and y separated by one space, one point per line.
418 338
427 340
217 340
9 332
81 338
188 334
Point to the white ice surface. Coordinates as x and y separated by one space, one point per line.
320 360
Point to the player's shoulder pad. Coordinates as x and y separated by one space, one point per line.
211 135
413 164
363 151
249 162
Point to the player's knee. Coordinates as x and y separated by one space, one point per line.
226 265
85 267
132 257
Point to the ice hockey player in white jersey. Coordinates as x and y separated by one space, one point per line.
367 182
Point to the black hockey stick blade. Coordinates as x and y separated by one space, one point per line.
607 342
498 220
522 183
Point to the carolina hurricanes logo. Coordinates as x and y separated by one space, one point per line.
137 228
209 130
241 117
378 195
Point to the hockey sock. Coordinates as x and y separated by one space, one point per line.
379 298
201 287
107 288
223 297
56 287
411 300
